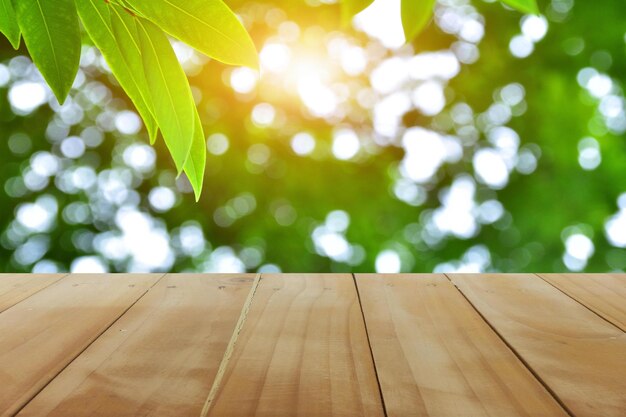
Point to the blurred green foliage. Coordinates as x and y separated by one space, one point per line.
265 207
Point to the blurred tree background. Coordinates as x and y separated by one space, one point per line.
494 142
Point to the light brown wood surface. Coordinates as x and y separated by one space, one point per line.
435 356
17 287
292 345
579 355
159 359
605 294
42 334
302 351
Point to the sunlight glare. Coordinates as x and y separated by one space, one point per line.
428 65
353 60
534 27
521 46
303 143
319 99
388 262
218 144
589 156
26 97
275 57
491 168
243 80
263 114
455 216
381 20
345 144
88 264
425 152
428 97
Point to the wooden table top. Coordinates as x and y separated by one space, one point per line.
285 345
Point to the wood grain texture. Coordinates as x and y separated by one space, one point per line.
435 355
17 287
580 356
159 359
302 351
42 334
605 294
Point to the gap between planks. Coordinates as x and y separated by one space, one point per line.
512 349
369 344
230 348
241 322
37 291
579 302
90 343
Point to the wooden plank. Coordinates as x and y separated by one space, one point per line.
159 359
435 356
605 294
42 334
302 351
580 356
17 287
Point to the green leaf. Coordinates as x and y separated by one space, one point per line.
173 107
52 36
207 25
95 15
524 6
127 42
415 16
194 167
351 7
8 23
152 127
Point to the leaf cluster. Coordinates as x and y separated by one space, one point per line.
132 35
